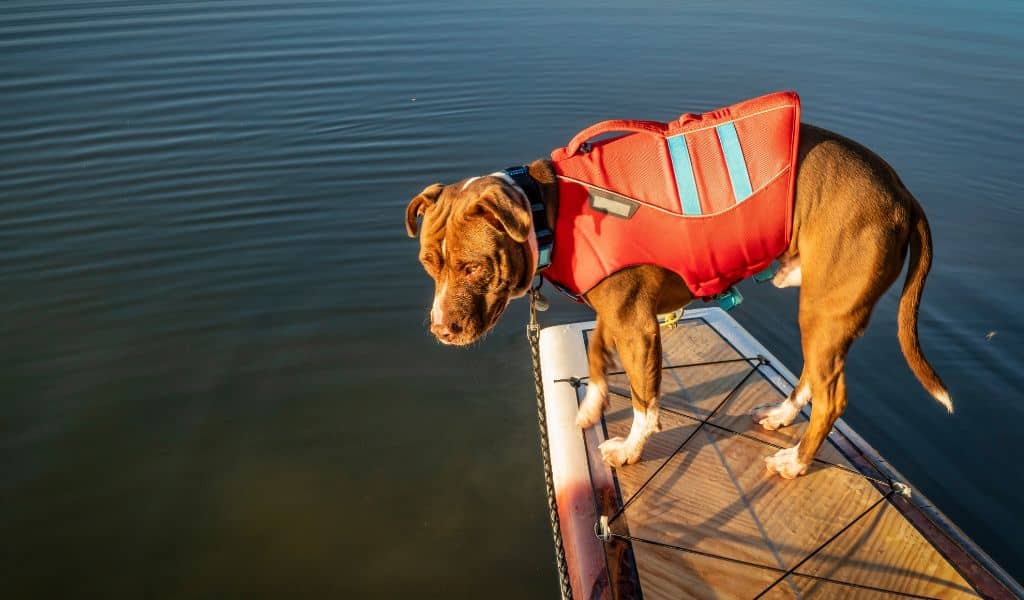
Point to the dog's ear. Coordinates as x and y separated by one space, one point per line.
504 213
419 205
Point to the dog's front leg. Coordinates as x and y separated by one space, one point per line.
596 399
638 341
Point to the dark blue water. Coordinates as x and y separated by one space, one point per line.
215 376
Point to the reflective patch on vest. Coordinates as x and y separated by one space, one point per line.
734 161
683 168
612 203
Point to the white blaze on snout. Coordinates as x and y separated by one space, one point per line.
437 310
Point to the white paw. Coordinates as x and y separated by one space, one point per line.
593 405
774 415
789 274
786 463
618 451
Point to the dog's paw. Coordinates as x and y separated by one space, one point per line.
593 405
786 463
775 415
585 419
617 452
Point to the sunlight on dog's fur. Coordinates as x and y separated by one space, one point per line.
854 226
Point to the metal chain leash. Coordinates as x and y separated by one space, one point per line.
533 334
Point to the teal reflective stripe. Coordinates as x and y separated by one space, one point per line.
734 161
685 183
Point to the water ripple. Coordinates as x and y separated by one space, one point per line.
208 282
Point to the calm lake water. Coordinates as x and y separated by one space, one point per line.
216 379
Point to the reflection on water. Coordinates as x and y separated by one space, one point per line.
215 374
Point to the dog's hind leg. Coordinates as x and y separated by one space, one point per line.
824 372
835 306
781 414
596 399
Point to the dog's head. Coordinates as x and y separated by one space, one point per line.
477 243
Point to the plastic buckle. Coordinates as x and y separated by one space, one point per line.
729 299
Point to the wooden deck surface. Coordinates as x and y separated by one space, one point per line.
714 496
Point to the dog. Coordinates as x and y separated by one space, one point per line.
854 225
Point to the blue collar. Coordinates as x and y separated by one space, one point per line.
541 227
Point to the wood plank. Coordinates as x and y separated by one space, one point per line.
715 495
886 551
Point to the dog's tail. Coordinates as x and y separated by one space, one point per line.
917 271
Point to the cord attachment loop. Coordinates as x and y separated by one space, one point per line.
601 529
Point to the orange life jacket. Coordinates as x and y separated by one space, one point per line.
709 196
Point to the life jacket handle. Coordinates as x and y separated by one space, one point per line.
615 125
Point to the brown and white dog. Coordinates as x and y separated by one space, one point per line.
853 224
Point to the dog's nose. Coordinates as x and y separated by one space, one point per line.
445 331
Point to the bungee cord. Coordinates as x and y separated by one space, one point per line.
603 528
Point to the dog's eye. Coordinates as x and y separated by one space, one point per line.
471 269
